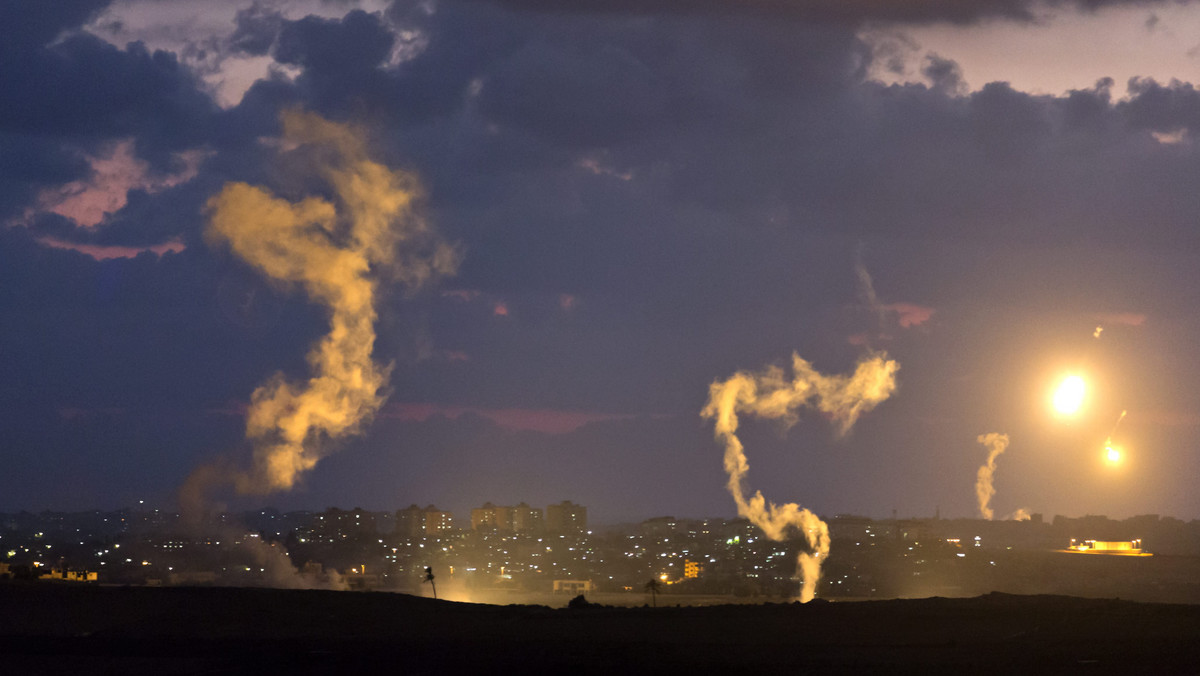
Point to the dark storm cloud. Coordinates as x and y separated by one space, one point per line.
257 29
323 47
87 90
839 11
698 180
34 24
69 94
1162 108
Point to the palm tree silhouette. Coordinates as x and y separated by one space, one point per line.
429 579
653 586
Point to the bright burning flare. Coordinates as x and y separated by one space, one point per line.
1068 398
1112 454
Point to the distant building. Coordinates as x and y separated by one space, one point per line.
500 519
573 586
69 575
488 518
566 517
660 526
1120 548
415 522
336 524
438 522
410 522
526 519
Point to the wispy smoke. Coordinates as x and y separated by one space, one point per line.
886 315
279 572
984 490
337 251
772 395
866 290
1116 426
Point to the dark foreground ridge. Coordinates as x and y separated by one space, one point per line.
47 628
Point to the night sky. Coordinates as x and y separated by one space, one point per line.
645 197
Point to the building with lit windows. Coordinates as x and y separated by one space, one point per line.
438 522
489 517
410 522
573 586
526 519
415 522
566 517
1120 548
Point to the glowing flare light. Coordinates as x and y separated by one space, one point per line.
1068 398
1112 454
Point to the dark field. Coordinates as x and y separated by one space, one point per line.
50 629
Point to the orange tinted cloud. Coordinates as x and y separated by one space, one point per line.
106 189
500 309
103 253
909 314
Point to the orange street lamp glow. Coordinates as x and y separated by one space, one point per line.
1068 398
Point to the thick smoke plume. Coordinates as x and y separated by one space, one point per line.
772 395
984 490
336 251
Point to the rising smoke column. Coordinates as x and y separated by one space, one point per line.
995 443
337 251
771 395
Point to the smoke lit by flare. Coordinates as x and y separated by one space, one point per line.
770 394
336 251
1021 514
984 490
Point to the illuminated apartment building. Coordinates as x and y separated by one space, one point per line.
566 517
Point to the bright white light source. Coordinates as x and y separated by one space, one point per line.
1112 454
1068 398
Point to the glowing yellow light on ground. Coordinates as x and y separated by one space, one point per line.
1068 398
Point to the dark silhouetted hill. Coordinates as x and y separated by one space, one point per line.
50 628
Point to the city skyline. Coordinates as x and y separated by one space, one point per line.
306 253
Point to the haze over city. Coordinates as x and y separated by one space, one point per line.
371 254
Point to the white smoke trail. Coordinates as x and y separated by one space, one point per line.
771 395
336 251
984 490
1116 427
866 291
